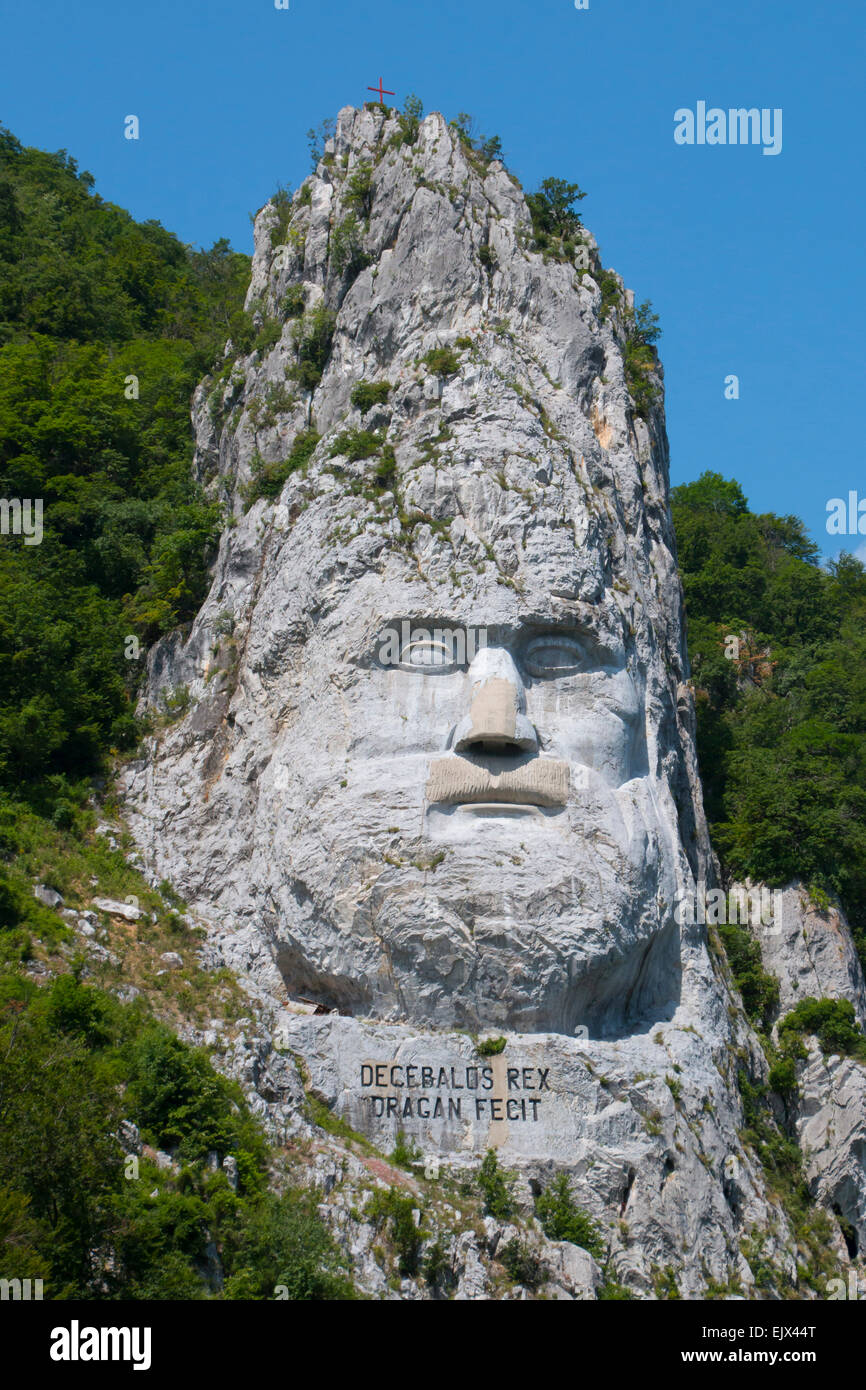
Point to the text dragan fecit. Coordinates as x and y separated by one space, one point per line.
431 1081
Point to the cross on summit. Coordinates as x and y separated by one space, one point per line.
382 92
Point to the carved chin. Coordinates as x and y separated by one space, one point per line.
458 781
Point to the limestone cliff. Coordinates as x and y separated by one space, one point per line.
434 770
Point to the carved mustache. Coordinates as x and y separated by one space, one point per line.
541 782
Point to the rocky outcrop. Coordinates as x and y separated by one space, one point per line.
831 1129
432 781
808 947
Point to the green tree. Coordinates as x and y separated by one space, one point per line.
106 326
285 1245
552 209
562 1219
495 1188
777 646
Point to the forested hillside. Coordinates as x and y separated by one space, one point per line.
88 299
781 707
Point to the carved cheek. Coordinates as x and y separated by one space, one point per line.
592 722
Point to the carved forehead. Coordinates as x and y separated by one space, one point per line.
352 578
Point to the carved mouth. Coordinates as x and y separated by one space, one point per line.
458 782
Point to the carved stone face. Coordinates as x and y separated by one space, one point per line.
472 834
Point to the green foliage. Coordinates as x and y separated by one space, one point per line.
175 702
21 914
665 1283
522 1263
385 472
404 1153
781 724
267 335
832 1021
480 150
180 1102
369 393
611 293
19 1237
79 1011
356 445
782 1076
276 401
282 202
106 326
646 323
441 362
268 478
314 335
495 1188
358 192
88 299
490 148
555 219
410 119
347 250
317 138
491 1047
640 358
284 1244
437 1268
780 1157
612 1291
395 1212
293 302
74 267
764 1271
562 1219
58 1109
248 337
759 990
783 1165
675 1086
73 1063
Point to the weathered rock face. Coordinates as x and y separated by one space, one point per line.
810 952
449 771
437 769
831 1129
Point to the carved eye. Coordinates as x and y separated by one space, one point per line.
554 656
427 655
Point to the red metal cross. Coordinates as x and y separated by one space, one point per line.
382 92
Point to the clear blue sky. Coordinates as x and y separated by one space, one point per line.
755 263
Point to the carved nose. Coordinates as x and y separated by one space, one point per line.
496 721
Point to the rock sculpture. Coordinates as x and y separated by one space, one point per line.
437 769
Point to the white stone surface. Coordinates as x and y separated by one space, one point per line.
127 911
